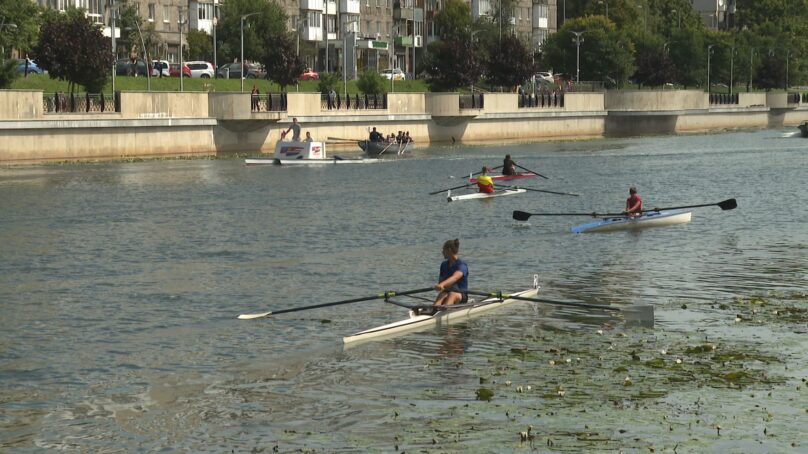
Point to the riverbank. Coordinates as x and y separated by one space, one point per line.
39 128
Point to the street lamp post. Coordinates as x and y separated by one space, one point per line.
181 21
751 58
215 23
243 17
678 17
112 12
788 55
606 2
578 41
709 51
731 67
325 29
393 33
472 49
345 56
145 56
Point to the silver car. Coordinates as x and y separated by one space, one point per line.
201 69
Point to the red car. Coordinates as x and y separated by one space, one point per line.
309 74
174 70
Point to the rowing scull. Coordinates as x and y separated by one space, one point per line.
450 314
484 195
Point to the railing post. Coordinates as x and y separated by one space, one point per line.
87 107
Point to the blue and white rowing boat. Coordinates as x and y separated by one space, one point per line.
661 218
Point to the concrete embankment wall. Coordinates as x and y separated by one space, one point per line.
153 124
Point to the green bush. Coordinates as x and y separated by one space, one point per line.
371 83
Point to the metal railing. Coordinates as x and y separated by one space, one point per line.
268 102
793 98
805 98
335 101
472 101
542 100
81 103
723 98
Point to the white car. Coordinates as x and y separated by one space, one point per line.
395 74
164 68
201 69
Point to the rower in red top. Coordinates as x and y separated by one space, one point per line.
484 182
633 202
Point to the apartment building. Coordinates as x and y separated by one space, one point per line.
352 34
715 13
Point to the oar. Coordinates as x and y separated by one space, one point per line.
449 189
538 190
528 170
346 140
385 148
384 295
645 312
490 168
729 204
524 216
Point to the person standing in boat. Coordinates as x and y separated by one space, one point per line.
295 128
453 282
484 182
633 202
508 166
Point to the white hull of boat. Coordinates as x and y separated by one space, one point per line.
484 195
651 219
309 162
444 317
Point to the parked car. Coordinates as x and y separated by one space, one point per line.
233 71
309 74
395 74
201 69
32 67
174 70
127 67
545 77
164 68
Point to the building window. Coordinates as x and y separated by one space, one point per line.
205 11
314 19
166 14
151 12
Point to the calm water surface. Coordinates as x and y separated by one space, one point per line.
120 284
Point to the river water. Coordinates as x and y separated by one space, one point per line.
120 284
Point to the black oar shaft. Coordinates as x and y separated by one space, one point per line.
538 190
383 295
729 204
531 171
449 189
491 168
542 300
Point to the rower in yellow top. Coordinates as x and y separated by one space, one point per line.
484 182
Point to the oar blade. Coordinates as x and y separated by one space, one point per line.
639 315
521 215
729 204
254 316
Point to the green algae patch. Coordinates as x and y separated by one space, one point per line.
485 394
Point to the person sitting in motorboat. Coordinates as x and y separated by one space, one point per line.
453 282
508 166
375 136
308 138
633 202
484 182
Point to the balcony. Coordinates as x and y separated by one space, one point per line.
349 6
311 33
404 41
331 7
316 5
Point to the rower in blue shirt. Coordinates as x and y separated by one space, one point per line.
453 283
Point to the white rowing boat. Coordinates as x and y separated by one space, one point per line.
291 153
484 195
650 219
450 314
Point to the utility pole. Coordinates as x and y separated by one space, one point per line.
578 41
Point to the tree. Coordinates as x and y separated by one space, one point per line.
454 61
451 63
72 48
282 63
8 72
26 16
270 21
606 51
200 46
328 82
654 64
371 83
510 63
